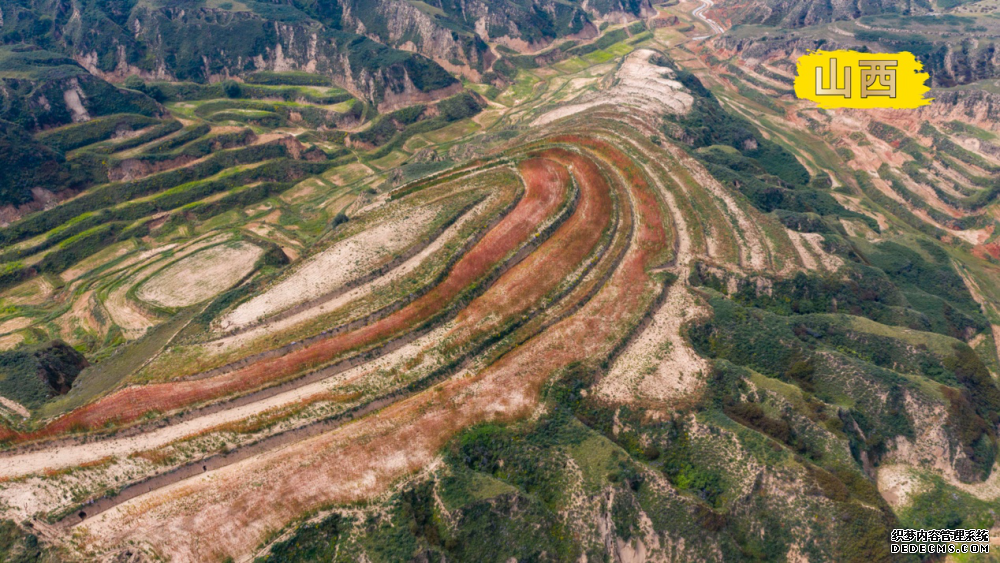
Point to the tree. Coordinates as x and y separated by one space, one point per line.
232 89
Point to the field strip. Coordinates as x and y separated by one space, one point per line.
331 269
200 275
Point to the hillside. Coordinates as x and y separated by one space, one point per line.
607 292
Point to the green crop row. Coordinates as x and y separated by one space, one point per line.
452 109
237 199
79 135
287 78
190 133
115 193
161 130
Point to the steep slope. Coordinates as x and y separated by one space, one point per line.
163 40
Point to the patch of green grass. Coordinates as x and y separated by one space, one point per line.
452 132
392 160
937 505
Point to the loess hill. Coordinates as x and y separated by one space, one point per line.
602 290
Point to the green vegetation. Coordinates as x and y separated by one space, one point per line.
18 546
32 375
392 130
287 78
738 156
154 133
75 136
109 195
190 133
26 164
812 351
310 543
942 507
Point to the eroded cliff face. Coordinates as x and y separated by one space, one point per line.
211 44
405 27
36 103
974 107
246 43
454 34
385 51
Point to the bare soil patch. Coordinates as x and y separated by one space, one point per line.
332 268
201 275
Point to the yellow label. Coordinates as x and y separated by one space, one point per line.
849 79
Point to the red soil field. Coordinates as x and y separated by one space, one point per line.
545 189
527 283
650 235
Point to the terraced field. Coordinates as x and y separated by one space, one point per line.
640 302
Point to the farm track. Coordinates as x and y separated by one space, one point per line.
699 13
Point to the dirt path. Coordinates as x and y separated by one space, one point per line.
14 406
699 13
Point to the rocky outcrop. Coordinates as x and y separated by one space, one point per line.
976 107
56 91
